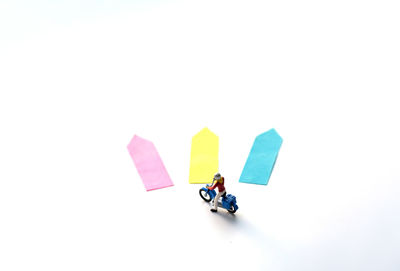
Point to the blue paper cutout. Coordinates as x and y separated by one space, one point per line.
262 157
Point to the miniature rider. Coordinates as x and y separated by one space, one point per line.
219 183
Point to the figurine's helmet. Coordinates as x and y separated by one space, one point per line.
217 176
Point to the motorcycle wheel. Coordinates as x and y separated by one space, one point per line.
232 210
204 195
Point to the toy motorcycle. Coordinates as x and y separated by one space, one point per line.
228 201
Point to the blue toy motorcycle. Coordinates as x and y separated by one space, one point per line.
228 202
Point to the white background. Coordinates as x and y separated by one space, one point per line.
79 78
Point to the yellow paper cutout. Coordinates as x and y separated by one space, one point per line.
203 157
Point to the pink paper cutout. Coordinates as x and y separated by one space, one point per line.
148 164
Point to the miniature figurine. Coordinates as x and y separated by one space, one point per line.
228 201
219 182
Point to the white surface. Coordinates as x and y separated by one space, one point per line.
76 84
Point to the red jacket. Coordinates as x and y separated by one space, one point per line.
221 187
